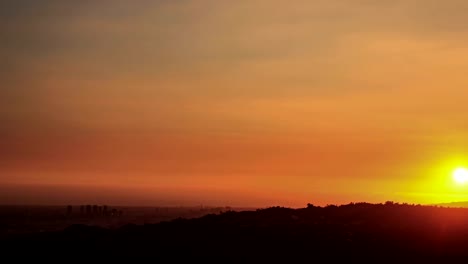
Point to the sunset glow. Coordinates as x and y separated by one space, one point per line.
250 103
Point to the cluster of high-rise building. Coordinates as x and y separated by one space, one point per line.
94 210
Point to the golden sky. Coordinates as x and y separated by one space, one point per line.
252 103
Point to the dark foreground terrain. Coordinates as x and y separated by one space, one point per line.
349 233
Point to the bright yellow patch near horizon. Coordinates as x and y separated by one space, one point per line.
460 175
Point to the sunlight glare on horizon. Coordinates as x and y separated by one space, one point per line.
460 175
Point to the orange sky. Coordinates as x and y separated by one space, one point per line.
244 103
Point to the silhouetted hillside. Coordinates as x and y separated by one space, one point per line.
376 232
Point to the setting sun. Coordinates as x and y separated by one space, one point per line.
460 175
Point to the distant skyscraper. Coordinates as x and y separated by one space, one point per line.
69 209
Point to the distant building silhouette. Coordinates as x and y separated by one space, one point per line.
88 209
69 210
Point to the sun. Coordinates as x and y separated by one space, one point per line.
460 175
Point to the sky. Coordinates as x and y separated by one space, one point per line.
241 103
